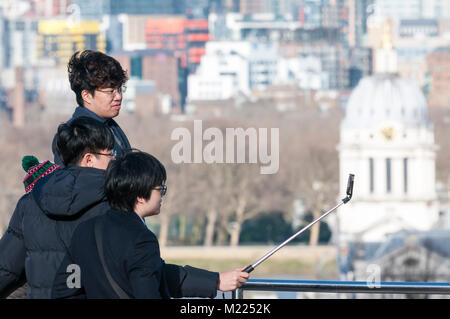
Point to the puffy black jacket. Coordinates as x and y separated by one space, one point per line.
42 225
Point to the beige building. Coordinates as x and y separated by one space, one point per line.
439 73
413 40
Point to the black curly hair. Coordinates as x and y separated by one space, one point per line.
90 70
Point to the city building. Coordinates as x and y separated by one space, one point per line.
358 14
58 39
19 42
413 9
170 35
361 65
305 72
142 99
96 9
294 40
387 141
413 40
310 14
255 6
438 63
231 68
268 27
184 37
411 256
51 8
334 59
278 7
164 70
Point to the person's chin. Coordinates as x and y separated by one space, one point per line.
156 212
115 110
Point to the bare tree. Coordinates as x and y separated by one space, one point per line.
314 176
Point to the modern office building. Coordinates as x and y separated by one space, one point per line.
231 68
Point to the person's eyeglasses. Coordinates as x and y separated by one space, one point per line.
113 92
112 155
162 189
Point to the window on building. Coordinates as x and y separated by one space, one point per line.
388 175
405 175
371 175
136 67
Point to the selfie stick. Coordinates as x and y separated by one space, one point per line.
351 178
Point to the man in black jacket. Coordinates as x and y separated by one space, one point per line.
44 219
98 81
117 256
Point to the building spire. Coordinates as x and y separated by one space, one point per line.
386 56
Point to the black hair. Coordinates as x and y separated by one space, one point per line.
90 70
80 136
133 175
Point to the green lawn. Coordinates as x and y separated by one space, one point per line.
268 269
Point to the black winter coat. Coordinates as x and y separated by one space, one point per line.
132 256
42 225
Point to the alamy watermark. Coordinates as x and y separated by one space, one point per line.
257 148
74 279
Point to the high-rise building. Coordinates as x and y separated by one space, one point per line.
146 7
230 68
413 39
413 9
18 43
255 6
162 68
186 38
269 27
95 9
438 72
277 7
310 13
359 11
58 39
51 8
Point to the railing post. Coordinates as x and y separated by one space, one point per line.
237 294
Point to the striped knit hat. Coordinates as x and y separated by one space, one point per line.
35 170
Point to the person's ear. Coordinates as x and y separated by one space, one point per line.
141 200
88 160
87 97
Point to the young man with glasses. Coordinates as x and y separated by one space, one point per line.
43 222
98 81
119 257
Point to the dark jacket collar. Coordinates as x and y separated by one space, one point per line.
128 214
82 111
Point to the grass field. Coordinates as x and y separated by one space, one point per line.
293 262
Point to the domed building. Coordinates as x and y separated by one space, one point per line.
387 141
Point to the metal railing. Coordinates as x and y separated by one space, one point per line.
435 288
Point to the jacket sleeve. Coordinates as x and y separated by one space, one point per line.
189 281
144 267
12 253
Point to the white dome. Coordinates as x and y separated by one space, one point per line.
386 97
